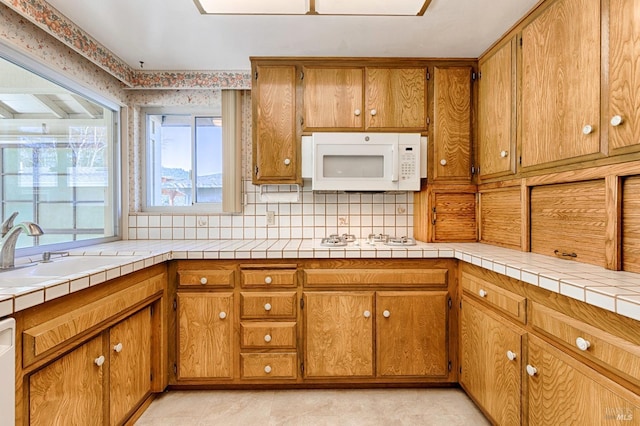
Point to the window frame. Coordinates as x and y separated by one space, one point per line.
115 177
193 112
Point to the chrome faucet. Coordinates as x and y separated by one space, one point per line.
10 234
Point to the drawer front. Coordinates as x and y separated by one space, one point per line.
612 352
269 366
208 278
265 335
273 305
268 278
404 278
505 301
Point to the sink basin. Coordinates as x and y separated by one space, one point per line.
68 265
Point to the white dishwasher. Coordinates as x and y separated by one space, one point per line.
8 371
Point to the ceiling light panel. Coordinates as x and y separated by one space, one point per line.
369 7
321 7
253 7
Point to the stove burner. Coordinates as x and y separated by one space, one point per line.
348 237
401 241
378 238
333 240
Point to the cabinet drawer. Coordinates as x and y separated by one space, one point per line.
403 278
208 278
612 352
280 305
268 278
505 301
268 366
265 335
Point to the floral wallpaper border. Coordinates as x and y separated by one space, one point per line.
47 18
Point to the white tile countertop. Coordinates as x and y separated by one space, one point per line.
616 291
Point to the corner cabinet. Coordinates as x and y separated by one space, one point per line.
276 147
561 84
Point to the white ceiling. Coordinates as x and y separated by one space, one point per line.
173 35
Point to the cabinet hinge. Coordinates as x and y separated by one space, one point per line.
473 169
175 368
302 121
520 160
479 75
474 76
460 370
428 75
151 377
256 75
301 303
521 41
256 171
175 304
461 304
428 120
449 366
433 216
450 303
301 75
302 368
151 310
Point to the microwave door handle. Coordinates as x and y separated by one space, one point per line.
394 164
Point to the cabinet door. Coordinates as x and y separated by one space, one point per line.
332 98
453 216
452 123
338 334
130 364
411 333
275 145
561 83
490 359
565 391
69 390
205 335
396 98
624 75
496 129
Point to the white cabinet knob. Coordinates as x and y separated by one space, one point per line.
443 162
482 293
267 369
367 314
118 348
267 338
287 161
582 344
357 113
203 280
222 315
374 112
587 129
268 280
616 120
99 361
504 154
267 306
531 370
511 355
386 314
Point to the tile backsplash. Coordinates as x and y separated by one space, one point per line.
316 215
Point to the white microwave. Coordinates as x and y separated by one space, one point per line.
364 161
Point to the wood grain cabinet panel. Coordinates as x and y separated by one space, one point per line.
275 141
268 278
563 391
69 390
453 216
411 333
129 364
338 334
511 304
631 224
624 76
269 365
488 374
332 98
268 305
561 83
500 218
568 221
268 335
452 124
496 129
206 278
205 335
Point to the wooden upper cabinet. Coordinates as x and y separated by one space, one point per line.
332 98
275 141
561 84
453 216
395 98
452 124
624 76
496 107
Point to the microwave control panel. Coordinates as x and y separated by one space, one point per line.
409 166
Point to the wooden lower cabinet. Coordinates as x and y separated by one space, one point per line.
69 390
562 390
410 338
490 359
205 335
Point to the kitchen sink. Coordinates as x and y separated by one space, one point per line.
67 265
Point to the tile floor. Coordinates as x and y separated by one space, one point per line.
425 407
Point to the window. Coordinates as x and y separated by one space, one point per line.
57 160
192 158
